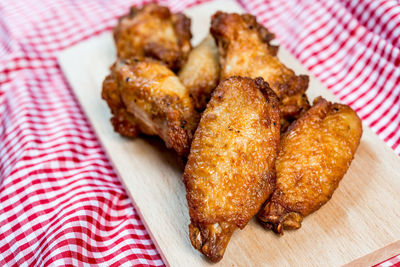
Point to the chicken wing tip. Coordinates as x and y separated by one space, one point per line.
277 218
211 239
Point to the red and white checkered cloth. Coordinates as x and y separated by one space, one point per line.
60 200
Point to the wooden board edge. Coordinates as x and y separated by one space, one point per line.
378 256
139 213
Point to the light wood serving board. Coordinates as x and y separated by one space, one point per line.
362 217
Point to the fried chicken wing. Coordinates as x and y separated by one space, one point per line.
123 122
245 51
145 96
200 74
315 153
230 170
153 31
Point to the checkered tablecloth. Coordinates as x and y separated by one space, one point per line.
60 199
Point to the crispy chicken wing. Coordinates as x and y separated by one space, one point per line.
122 121
230 171
245 50
145 96
153 31
200 74
315 153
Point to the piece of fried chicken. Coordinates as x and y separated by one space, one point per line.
123 122
200 74
230 171
147 97
153 31
315 153
245 51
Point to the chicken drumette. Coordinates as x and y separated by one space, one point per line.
145 96
245 50
153 31
200 74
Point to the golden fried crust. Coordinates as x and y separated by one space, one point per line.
200 74
230 170
122 121
245 51
315 153
155 101
153 31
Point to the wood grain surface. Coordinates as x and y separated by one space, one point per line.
362 217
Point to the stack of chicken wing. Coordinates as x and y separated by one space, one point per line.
241 118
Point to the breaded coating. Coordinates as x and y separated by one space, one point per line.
200 74
230 171
123 122
245 51
153 31
147 97
315 153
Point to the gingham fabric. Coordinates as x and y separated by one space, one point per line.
61 202
394 261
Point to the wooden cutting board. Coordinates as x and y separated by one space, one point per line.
362 217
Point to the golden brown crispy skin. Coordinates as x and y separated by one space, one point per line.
245 51
153 31
315 153
200 74
145 96
230 171
122 121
